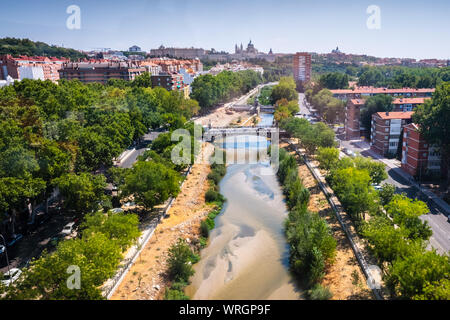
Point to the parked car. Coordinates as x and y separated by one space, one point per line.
377 187
13 240
10 276
68 229
117 210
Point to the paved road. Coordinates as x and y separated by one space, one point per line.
440 240
303 104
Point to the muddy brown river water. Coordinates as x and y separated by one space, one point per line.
247 256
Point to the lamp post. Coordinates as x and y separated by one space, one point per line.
6 252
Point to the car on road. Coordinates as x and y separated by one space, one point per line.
68 229
349 152
117 210
10 276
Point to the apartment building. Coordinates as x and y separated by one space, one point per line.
88 72
302 67
352 123
24 67
386 128
185 53
169 81
365 92
418 156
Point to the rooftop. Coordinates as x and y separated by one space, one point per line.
395 115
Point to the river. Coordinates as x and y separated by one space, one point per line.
247 256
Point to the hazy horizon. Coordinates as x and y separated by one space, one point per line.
409 29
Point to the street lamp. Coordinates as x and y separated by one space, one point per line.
6 252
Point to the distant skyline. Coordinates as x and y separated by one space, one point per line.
409 29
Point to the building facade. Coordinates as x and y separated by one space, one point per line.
89 72
418 156
352 123
386 128
186 53
302 67
365 92
36 68
135 49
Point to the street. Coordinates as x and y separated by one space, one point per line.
437 219
440 240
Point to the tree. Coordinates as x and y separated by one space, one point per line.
81 192
284 89
387 242
180 261
151 183
120 228
352 187
386 193
433 118
422 275
327 157
406 212
334 80
377 103
376 169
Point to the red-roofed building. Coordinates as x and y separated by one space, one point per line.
353 129
364 92
418 156
386 128
24 67
352 118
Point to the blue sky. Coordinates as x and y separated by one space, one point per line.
409 28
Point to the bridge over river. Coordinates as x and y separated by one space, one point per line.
212 133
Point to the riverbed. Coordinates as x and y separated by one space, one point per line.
247 256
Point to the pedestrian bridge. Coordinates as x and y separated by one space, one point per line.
212 133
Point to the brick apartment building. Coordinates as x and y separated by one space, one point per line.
24 67
418 156
352 125
386 129
88 72
171 81
302 67
365 92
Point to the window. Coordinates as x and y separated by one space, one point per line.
387 122
393 144
424 154
386 129
386 137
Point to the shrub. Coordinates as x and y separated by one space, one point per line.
319 292
172 294
180 261
212 196
204 229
